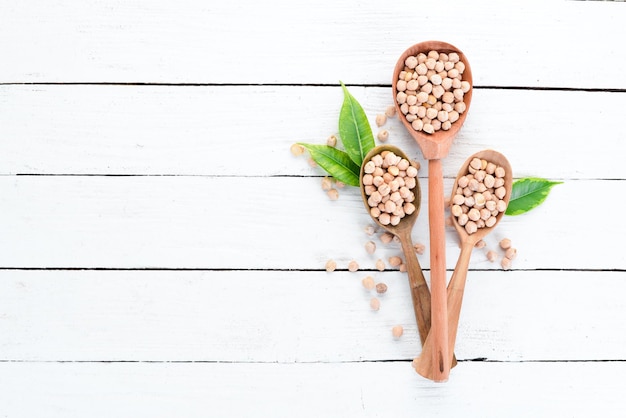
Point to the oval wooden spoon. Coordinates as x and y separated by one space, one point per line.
419 288
423 364
434 147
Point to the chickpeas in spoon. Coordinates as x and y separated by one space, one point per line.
480 196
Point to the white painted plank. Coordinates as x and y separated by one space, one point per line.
482 390
537 43
286 317
200 131
265 223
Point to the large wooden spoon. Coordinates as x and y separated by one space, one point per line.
434 147
423 364
419 288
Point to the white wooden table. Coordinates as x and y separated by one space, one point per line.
162 252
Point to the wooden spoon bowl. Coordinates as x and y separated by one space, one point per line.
419 288
500 160
437 144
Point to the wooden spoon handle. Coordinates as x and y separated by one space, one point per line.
439 315
456 288
419 288
423 364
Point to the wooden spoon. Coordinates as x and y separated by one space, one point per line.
434 147
419 288
423 364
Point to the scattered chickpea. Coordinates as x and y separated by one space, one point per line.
402 268
331 265
492 256
381 288
368 282
511 253
331 141
333 194
390 111
383 135
297 150
419 248
370 247
505 263
397 331
381 119
353 266
327 183
380 265
386 237
505 243
395 261
480 244
375 304
370 230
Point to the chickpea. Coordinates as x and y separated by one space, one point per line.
492 256
411 62
370 247
471 227
375 304
380 265
383 135
381 288
368 282
333 194
511 253
395 261
297 149
327 183
397 331
331 265
419 248
505 263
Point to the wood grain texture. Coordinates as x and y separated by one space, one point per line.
137 278
485 390
299 317
207 222
199 130
534 44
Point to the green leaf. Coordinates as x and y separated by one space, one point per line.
354 129
528 193
337 163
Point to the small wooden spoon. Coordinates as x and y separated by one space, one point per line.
419 288
456 287
434 147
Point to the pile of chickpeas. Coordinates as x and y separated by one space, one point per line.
430 90
479 197
388 182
